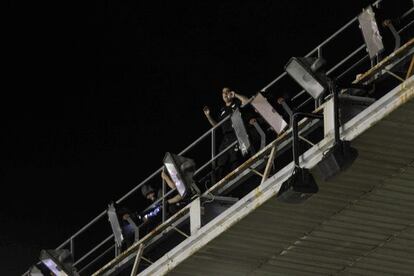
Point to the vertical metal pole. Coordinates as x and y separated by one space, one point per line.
410 68
269 164
134 271
295 143
318 101
213 144
195 216
72 248
163 201
336 112
213 154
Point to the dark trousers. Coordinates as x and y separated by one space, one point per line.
229 160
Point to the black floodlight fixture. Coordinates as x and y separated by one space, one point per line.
299 187
59 262
305 71
241 132
370 32
181 170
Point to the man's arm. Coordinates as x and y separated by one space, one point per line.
208 116
243 99
170 184
175 199
167 180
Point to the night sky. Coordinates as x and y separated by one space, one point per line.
97 91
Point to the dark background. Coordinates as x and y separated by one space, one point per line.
97 92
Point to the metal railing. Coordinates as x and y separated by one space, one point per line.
70 243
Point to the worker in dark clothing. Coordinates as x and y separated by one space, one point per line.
229 160
153 216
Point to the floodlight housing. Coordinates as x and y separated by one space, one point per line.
369 28
299 187
305 72
59 262
268 113
181 171
240 131
115 225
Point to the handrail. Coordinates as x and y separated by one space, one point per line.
94 249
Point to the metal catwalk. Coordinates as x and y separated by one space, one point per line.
359 223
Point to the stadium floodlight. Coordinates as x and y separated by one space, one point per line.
59 262
115 225
305 72
268 113
241 132
370 32
181 171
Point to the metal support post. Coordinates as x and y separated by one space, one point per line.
117 250
72 248
336 112
195 216
287 108
261 134
295 132
163 201
137 260
213 154
410 68
319 51
295 141
269 164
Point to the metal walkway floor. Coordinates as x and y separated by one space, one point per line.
360 223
